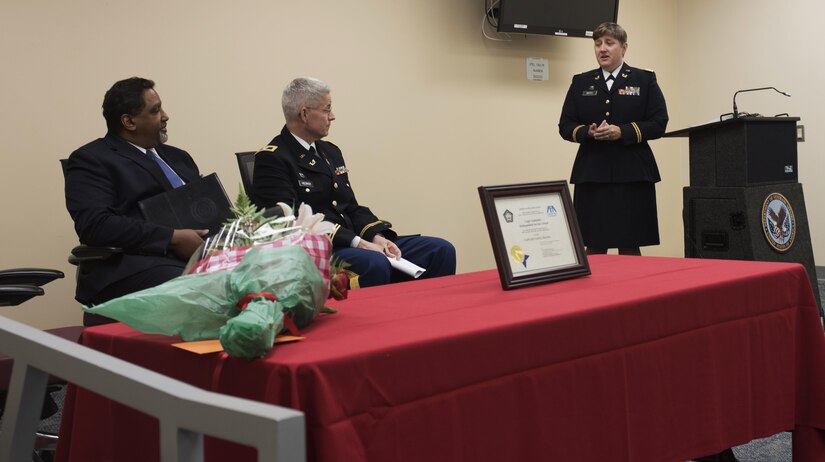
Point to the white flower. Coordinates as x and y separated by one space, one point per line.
313 223
287 209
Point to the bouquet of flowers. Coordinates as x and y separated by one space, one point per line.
256 276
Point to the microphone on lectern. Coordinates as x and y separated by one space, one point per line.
736 111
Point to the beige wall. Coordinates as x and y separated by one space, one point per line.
739 44
427 109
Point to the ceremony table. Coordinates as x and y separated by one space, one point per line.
647 359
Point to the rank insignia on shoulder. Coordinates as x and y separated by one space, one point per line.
268 148
341 170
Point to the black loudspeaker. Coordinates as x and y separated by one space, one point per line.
763 223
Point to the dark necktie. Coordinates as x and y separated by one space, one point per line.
313 152
320 156
609 81
173 177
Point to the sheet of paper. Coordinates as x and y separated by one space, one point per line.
406 267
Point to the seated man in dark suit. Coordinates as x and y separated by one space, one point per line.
106 178
298 167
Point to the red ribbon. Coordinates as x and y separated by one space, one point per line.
248 298
243 302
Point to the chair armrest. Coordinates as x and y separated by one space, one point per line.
85 252
15 295
29 276
271 212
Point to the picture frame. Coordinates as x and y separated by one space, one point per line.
534 233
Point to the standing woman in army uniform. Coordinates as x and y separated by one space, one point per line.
612 112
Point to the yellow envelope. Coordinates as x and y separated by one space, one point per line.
203 347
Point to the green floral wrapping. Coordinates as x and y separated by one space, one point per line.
251 333
197 306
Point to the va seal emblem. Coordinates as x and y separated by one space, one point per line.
778 222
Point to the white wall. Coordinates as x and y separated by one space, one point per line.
427 109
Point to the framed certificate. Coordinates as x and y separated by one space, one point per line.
534 233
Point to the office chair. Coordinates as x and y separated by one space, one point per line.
246 165
17 286
83 256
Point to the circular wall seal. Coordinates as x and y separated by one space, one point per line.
778 222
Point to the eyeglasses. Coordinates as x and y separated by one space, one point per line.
327 110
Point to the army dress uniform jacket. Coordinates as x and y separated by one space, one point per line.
105 179
286 172
636 104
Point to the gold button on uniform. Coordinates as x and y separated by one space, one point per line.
307 190
607 101
335 185
607 113
335 203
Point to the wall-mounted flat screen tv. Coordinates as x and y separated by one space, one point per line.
567 18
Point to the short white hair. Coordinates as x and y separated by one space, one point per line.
302 92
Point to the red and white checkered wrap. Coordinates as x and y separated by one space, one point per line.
318 247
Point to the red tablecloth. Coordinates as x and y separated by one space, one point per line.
647 359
